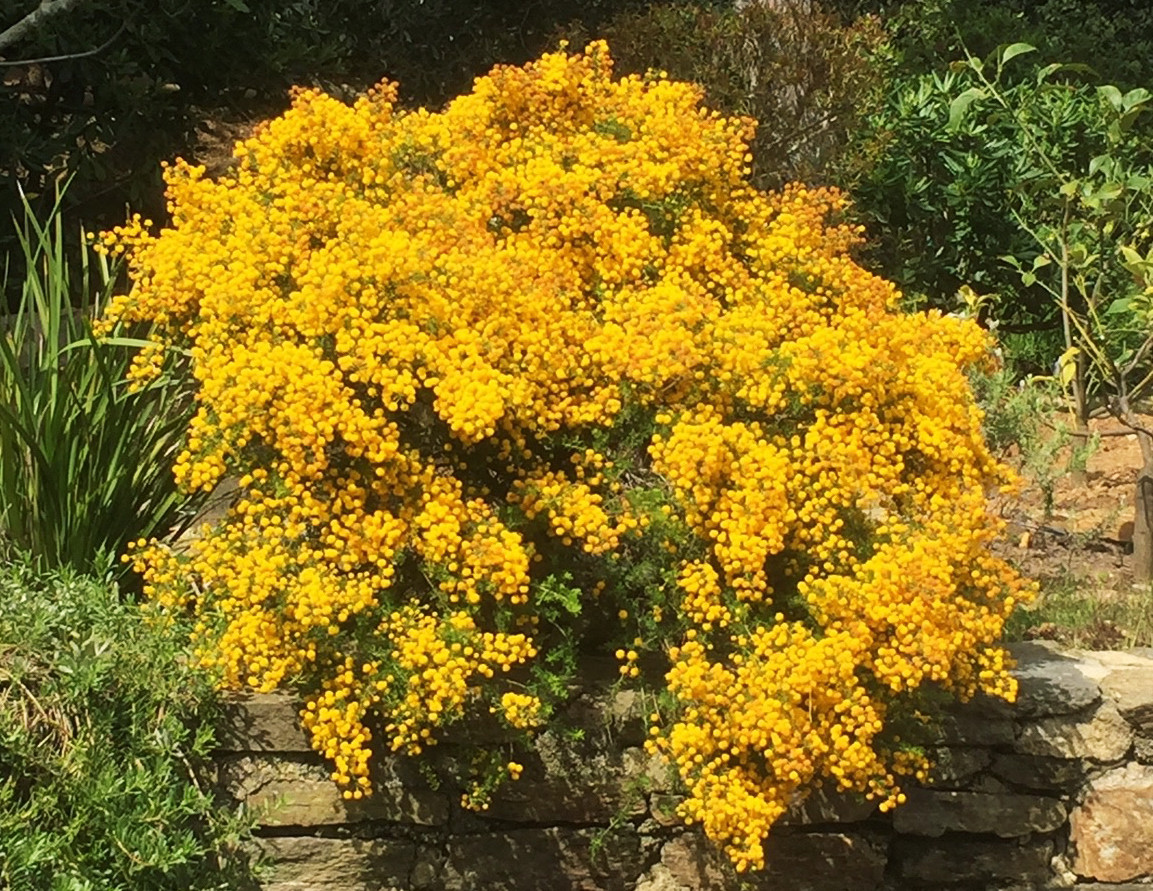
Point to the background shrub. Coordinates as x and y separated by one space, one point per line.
800 72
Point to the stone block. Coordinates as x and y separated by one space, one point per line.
933 813
820 862
1050 683
261 722
1102 736
304 863
577 784
953 767
692 861
973 724
1131 690
1061 776
302 793
1111 831
554 858
966 862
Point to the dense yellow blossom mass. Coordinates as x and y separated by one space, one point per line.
543 368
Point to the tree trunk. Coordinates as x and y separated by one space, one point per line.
1143 514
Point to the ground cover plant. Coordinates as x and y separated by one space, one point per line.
104 731
542 374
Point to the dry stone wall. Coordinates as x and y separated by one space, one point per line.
1055 791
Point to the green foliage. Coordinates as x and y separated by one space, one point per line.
85 462
104 736
971 176
791 66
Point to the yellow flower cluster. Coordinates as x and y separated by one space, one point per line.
470 366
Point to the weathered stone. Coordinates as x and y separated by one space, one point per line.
575 860
428 870
660 878
820 862
1112 829
297 793
1131 690
799 862
952 767
1098 664
647 772
331 864
1143 749
1050 683
663 808
1060 775
961 861
933 813
261 722
692 861
824 805
1103 736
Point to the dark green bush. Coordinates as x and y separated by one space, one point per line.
1112 37
104 734
111 117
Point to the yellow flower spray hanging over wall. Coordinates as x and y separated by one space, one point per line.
543 368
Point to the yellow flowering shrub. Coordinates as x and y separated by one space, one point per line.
539 374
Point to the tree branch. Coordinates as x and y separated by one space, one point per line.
46 10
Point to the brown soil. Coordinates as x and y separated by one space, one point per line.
1086 536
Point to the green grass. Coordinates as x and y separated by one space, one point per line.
1078 613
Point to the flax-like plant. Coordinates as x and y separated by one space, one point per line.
85 462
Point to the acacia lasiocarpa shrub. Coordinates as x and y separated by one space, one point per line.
541 373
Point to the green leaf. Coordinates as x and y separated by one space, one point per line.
1135 98
238 5
1016 49
1111 93
1043 74
961 103
1102 162
1119 306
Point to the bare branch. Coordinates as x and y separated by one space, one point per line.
44 60
46 10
